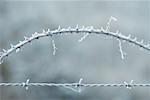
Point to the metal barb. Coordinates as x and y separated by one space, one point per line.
78 85
129 85
26 84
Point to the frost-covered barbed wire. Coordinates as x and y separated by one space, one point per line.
78 30
76 87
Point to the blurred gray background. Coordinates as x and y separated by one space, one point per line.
96 59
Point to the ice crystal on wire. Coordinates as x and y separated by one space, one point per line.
84 36
43 31
1 57
4 50
54 46
25 38
108 23
75 88
77 27
120 49
17 50
11 46
59 28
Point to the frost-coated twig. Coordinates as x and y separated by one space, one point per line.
76 87
78 30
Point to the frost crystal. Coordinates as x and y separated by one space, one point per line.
1 58
48 30
142 41
83 27
77 87
120 49
59 28
147 45
69 28
108 23
77 27
11 45
4 50
54 47
25 38
43 31
117 32
17 50
91 28
135 39
84 36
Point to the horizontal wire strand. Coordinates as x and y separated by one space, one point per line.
74 86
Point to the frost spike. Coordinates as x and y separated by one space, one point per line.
25 38
108 23
120 49
102 29
135 39
11 45
17 50
54 46
4 50
1 59
129 36
83 27
35 34
113 18
69 28
20 41
48 30
142 41
147 45
91 28
84 36
59 28
43 31
77 27
117 32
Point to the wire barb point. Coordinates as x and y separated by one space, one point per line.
129 85
26 84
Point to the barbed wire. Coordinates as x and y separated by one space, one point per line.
77 87
86 30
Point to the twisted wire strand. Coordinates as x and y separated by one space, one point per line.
76 30
75 86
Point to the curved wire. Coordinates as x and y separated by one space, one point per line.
69 30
